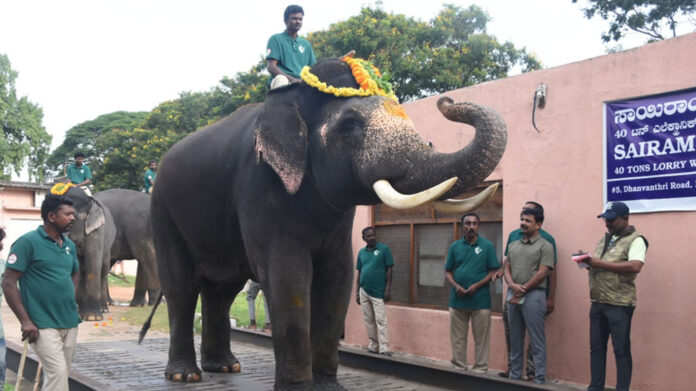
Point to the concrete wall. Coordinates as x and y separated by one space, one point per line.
19 213
561 167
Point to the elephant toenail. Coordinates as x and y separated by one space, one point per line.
237 367
178 377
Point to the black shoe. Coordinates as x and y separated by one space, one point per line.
504 374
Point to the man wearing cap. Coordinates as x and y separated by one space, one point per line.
287 53
616 261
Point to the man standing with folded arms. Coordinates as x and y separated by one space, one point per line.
471 263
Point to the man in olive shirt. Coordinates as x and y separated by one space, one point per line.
374 289
616 262
471 263
44 262
287 53
529 263
550 290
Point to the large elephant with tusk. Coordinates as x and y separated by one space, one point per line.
269 193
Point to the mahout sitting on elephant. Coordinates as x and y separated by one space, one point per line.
93 233
269 193
130 210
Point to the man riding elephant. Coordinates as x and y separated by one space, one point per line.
269 193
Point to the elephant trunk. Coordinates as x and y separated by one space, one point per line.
472 164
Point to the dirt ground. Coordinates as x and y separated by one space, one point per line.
113 327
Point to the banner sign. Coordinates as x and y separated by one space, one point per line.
650 152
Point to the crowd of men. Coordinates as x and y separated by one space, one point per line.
529 270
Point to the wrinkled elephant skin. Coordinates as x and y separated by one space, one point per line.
270 192
93 233
131 215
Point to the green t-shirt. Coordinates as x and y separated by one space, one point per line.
469 264
292 54
46 286
373 269
526 257
149 175
79 174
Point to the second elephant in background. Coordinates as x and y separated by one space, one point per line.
131 214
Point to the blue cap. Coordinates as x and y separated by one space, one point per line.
614 210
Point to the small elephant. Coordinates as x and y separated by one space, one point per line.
269 193
93 233
131 215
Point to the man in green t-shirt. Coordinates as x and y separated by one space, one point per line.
287 53
79 174
471 263
150 175
44 262
374 289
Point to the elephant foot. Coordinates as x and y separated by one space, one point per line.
92 316
229 365
303 386
139 302
104 308
182 373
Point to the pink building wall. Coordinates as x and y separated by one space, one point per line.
18 213
561 167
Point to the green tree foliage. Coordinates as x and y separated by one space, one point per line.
128 153
451 51
23 137
85 137
648 17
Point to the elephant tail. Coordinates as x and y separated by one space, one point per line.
147 323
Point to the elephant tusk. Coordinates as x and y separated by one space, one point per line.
463 206
396 200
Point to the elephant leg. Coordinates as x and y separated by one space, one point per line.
181 285
104 300
331 288
216 300
149 263
90 290
140 285
287 287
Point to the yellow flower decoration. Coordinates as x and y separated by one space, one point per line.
61 188
367 76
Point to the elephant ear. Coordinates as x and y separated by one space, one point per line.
95 217
280 137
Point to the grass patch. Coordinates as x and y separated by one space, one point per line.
160 322
121 280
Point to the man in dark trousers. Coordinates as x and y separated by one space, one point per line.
529 263
616 262
374 286
287 53
44 262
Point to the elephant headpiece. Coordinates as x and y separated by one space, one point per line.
363 116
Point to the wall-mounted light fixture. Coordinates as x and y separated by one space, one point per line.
539 101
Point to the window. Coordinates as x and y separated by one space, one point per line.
419 240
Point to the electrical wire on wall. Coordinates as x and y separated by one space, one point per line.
539 101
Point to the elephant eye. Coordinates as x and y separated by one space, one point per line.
350 124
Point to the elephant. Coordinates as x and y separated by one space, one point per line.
269 193
93 233
130 210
